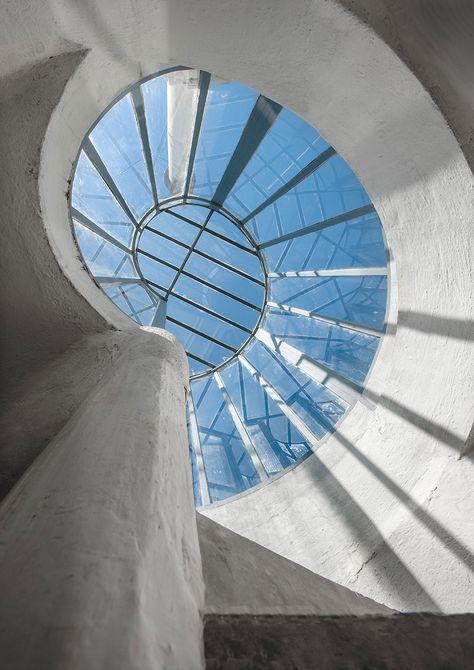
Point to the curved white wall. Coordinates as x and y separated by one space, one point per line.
385 505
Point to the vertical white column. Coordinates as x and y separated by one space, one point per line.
99 557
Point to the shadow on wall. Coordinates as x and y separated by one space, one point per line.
434 39
389 565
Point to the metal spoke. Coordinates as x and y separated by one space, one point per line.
305 172
107 282
196 442
280 403
242 431
259 122
97 230
204 81
99 165
139 106
340 272
159 318
289 309
346 389
327 223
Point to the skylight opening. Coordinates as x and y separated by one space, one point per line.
205 208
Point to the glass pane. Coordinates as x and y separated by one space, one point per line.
332 190
339 349
102 258
313 403
287 148
206 323
229 468
228 107
117 140
91 196
353 244
276 441
360 300
216 301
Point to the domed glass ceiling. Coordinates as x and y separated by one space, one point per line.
205 208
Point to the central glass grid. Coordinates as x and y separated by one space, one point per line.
211 277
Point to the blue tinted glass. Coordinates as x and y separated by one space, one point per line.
339 349
92 197
229 469
117 140
228 107
289 146
351 244
256 309
312 402
359 300
332 190
277 442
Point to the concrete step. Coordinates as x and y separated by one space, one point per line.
370 642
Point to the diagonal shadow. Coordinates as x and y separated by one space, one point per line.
432 428
370 537
449 541
459 329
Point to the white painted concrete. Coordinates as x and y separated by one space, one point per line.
99 556
392 518
241 577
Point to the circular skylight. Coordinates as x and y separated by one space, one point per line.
205 208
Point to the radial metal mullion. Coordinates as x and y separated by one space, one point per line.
107 282
280 403
345 389
339 272
204 81
209 231
201 334
261 119
159 318
139 106
210 312
99 165
326 319
94 228
327 223
200 464
241 429
294 181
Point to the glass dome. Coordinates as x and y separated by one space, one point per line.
205 208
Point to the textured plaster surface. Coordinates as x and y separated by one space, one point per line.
242 577
99 554
385 505
415 641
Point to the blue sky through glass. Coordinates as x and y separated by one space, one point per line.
201 206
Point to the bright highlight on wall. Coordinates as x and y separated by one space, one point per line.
205 208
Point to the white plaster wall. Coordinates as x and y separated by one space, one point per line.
386 506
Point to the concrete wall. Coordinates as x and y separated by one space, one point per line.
99 553
241 577
384 505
